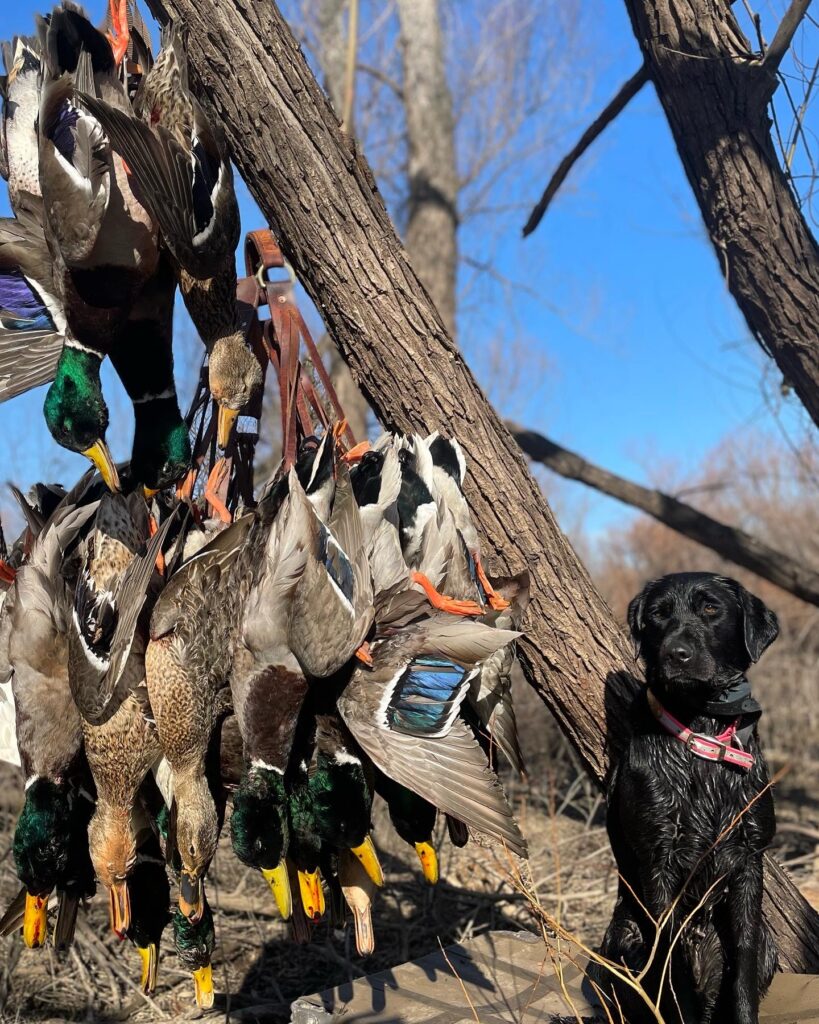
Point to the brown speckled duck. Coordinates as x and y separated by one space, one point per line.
187 664
107 678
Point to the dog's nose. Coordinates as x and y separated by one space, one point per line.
681 653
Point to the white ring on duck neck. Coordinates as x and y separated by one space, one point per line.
257 762
167 393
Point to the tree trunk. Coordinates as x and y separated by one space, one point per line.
431 235
728 542
715 97
323 203
332 45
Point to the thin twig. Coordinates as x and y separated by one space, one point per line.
784 34
625 94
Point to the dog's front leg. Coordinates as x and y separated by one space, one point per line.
745 915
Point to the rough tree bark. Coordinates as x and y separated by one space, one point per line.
715 94
728 541
431 235
322 201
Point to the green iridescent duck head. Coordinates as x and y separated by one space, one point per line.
338 807
162 449
42 852
76 413
195 942
340 801
150 912
259 830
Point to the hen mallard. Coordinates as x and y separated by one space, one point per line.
50 841
183 169
20 90
187 664
107 680
404 712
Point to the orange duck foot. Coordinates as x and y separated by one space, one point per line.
497 602
444 603
120 35
356 453
215 481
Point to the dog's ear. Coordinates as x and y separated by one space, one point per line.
760 626
635 620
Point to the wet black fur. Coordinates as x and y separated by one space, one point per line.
697 633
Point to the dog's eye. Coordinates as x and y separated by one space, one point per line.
709 608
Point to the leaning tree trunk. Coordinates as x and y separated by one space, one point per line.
322 201
715 96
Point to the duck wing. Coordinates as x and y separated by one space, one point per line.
404 713
31 318
103 628
189 192
450 772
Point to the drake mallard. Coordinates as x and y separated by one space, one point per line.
194 942
107 678
187 664
413 818
404 712
330 800
341 793
267 683
150 896
184 173
88 237
50 841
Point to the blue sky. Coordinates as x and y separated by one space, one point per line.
647 360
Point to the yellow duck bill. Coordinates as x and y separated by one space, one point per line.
99 454
369 859
35 921
312 894
150 964
279 884
203 986
224 425
429 861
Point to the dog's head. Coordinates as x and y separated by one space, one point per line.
697 630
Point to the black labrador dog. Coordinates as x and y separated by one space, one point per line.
688 812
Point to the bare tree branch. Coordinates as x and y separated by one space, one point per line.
383 78
735 545
784 34
625 94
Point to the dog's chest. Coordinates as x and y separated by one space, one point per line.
690 814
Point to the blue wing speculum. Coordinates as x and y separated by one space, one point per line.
426 696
